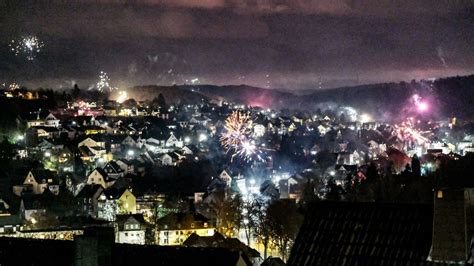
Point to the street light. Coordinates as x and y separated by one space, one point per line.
202 137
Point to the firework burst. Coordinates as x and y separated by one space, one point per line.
104 83
237 137
407 132
28 46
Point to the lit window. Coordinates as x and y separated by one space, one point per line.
439 194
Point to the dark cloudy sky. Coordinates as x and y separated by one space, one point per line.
283 44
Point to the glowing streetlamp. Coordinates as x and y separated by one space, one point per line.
202 137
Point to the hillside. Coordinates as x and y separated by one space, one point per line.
385 100
172 94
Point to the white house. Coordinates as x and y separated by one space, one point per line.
173 141
51 121
166 159
224 176
130 229
89 142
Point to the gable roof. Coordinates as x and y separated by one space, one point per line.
352 233
88 191
114 193
130 218
218 240
114 166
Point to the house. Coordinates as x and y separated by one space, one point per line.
10 224
130 229
224 176
218 240
32 205
126 166
129 142
113 170
290 188
115 201
187 150
170 158
100 177
36 182
51 121
175 228
173 141
44 132
268 189
91 143
216 184
46 121
88 199
91 150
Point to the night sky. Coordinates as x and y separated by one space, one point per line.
269 43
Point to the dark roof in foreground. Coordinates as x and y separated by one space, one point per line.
22 251
348 233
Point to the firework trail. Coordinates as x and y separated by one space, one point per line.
27 46
407 132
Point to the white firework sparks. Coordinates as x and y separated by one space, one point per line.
237 137
28 46
104 83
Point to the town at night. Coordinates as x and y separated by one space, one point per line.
229 132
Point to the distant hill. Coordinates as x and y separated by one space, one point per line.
248 95
172 94
447 97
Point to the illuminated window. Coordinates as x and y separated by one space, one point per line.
439 194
